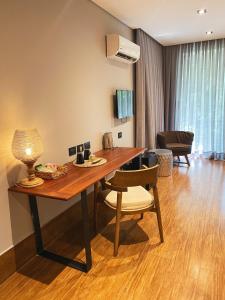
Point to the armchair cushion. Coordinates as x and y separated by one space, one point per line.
178 147
135 198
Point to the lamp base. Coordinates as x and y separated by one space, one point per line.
27 183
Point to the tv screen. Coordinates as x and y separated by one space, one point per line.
124 104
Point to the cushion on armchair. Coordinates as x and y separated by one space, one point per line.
178 147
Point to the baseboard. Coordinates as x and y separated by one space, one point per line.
16 257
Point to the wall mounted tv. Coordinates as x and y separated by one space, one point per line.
124 104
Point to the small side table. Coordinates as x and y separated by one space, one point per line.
165 159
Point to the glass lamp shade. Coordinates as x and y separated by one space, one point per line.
26 145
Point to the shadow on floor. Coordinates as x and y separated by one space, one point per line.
133 240
130 233
44 270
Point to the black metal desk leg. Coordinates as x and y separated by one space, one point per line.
36 224
85 217
84 267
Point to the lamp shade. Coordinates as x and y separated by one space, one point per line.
27 145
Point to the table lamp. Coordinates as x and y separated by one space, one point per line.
27 147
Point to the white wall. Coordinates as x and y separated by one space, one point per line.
54 76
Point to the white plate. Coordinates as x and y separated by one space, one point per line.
90 164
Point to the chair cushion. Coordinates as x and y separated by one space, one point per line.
135 198
178 147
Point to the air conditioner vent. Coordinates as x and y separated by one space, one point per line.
126 57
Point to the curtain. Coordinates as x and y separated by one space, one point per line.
149 91
200 95
169 84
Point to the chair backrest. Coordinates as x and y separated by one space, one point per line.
166 137
134 178
185 137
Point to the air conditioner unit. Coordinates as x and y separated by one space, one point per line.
121 49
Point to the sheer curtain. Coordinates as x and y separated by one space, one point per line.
200 95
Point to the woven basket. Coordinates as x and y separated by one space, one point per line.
61 171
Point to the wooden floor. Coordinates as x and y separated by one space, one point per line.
189 265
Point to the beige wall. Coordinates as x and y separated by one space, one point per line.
54 76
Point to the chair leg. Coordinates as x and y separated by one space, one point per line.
117 230
158 213
186 157
96 189
142 216
103 183
96 207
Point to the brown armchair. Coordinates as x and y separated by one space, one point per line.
179 142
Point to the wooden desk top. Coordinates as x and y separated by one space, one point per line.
78 179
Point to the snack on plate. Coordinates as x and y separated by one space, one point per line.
52 166
44 168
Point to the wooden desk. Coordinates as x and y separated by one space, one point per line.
76 181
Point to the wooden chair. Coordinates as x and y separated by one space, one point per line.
126 193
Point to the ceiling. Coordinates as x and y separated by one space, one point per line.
170 21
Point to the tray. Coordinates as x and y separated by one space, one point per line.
61 171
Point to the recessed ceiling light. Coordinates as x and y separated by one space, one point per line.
209 32
202 11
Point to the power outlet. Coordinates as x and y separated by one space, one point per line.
120 135
72 150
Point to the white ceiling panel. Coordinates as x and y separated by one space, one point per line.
170 22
